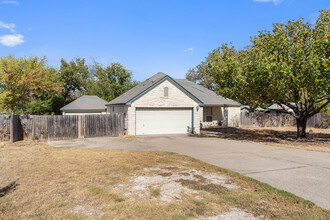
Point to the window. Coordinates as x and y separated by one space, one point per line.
166 92
207 113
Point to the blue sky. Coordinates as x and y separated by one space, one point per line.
147 37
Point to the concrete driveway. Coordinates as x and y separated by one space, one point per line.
304 173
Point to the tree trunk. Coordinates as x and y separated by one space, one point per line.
301 128
11 129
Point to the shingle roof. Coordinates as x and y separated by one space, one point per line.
204 95
208 97
130 94
86 102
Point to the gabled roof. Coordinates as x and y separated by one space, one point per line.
202 95
208 97
86 102
130 94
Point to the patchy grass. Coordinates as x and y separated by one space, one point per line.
38 181
155 192
279 136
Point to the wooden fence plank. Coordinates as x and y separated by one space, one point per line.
280 120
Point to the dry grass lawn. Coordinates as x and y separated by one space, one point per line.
279 136
38 181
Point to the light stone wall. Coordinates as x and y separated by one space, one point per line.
227 116
155 99
234 116
217 118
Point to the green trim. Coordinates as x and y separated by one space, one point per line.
222 105
192 121
157 83
68 110
115 104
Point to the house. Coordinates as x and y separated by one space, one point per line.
85 105
163 105
276 108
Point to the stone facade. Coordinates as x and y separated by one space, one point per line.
177 98
154 98
222 116
234 116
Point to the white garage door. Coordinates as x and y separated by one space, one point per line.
163 121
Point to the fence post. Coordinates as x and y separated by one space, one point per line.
11 128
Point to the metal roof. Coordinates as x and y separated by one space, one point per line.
86 102
201 94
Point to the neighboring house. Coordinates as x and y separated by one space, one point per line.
163 105
85 105
275 108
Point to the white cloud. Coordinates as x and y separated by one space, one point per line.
9 2
276 2
189 49
12 40
10 27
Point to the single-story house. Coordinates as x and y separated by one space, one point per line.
85 105
163 105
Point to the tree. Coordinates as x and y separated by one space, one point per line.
289 65
22 79
231 84
197 75
74 75
109 82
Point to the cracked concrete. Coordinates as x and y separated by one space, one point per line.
304 173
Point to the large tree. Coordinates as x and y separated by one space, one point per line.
197 75
23 79
289 65
74 76
109 81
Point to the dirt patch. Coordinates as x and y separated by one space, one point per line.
198 185
234 214
166 174
278 136
86 210
172 185
170 168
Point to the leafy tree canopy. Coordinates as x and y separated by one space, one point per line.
73 75
197 75
24 79
289 65
108 82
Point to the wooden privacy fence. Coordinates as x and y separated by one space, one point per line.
319 120
58 127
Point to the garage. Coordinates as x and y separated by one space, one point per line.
163 120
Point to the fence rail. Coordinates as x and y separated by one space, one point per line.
319 120
58 127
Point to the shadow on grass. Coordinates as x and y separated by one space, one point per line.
264 135
7 189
